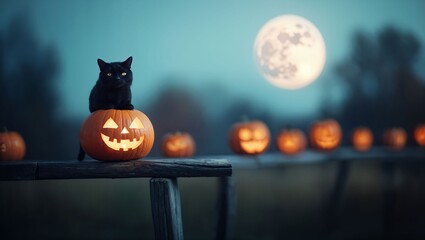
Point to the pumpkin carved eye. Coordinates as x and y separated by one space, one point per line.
110 123
259 134
136 124
245 134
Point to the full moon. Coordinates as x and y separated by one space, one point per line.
290 51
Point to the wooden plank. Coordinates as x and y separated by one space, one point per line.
166 212
21 170
213 166
124 169
276 159
226 205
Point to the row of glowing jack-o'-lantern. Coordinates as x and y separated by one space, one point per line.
254 138
128 134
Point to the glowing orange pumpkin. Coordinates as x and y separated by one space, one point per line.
395 138
250 138
291 141
112 134
419 135
325 135
12 146
362 139
178 145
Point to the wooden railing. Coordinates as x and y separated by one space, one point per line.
165 197
344 158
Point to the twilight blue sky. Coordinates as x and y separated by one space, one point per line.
204 45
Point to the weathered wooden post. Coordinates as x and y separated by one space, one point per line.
335 200
389 171
166 212
226 205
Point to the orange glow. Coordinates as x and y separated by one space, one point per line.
178 145
395 138
250 138
326 135
419 135
362 139
291 141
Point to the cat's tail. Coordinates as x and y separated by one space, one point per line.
81 154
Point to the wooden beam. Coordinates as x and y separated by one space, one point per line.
213 166
36 170
19 170
276 159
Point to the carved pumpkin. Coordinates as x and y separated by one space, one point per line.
325 135
12 146
395 138
291 141
249 137
419 135
178 145
362 139
112 134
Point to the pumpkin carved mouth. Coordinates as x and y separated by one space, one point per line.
176 146
124 144
327 143
255 146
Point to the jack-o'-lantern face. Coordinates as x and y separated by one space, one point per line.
395 138
326 135
117 135
362 139
419 135
291 141
250 138
253 140
178 145
122 143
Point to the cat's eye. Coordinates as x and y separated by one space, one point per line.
109 74
124 73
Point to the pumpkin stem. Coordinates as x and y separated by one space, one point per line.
4 129
178 132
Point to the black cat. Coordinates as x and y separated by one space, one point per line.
112 89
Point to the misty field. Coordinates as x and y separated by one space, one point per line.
284 203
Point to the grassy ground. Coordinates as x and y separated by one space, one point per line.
287 203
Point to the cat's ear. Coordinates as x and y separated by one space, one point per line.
102 64
127 63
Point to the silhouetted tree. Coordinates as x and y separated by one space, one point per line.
383 89
176 109
28 99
